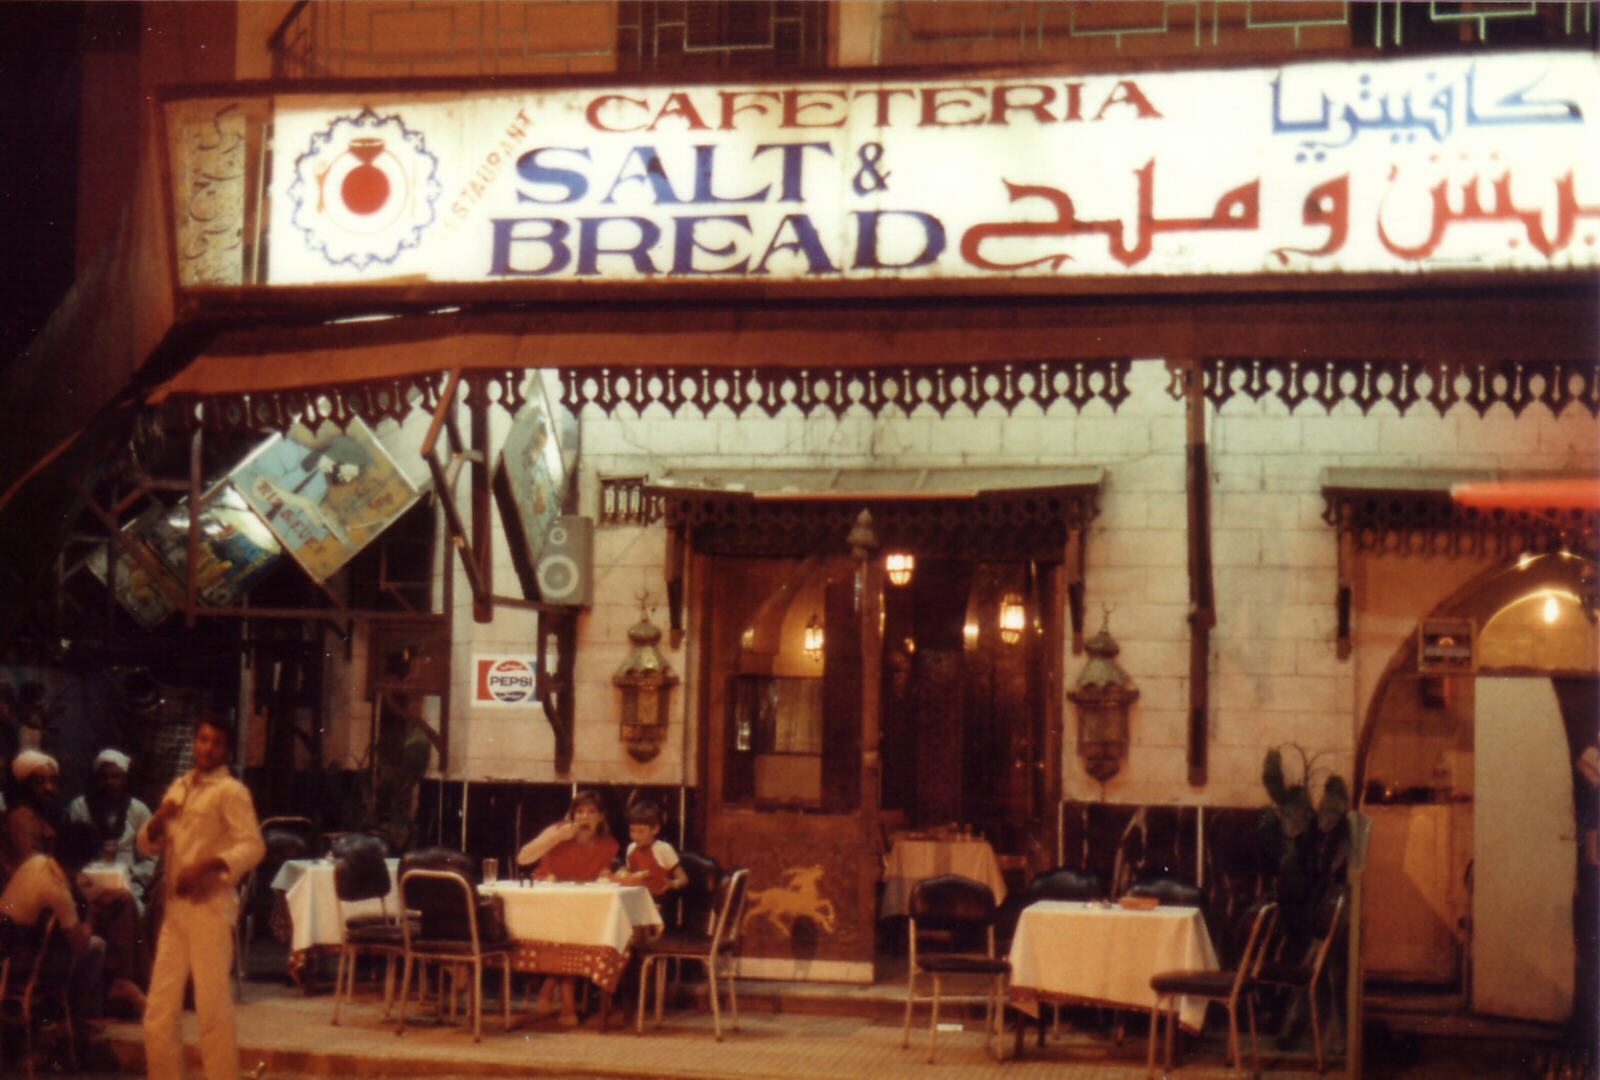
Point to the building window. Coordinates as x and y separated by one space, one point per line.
723 36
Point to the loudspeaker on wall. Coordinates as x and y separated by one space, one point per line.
566 565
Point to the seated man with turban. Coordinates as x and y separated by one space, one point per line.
117 817
31 824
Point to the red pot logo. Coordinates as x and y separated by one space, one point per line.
364 190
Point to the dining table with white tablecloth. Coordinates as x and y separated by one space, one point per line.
586 929
1091 952
913 859
310 906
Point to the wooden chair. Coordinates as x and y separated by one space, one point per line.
714 949
22 990
361 873
1307 975
954 911
1226 987
449 931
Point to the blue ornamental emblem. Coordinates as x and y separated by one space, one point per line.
364 190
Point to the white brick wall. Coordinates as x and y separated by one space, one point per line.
1275 677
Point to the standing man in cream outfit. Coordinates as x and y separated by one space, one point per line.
206 826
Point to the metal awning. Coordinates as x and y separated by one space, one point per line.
875 484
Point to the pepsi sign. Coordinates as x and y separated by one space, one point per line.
504 682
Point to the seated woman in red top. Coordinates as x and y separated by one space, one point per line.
579 847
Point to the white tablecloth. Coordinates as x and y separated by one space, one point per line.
910 861
1069 951
307 887
575 929
99 877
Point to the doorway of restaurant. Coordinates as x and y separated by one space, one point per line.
818 751
1480 881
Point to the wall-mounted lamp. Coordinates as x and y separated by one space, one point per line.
899 566
1013 618
813 639
1103 695
646 681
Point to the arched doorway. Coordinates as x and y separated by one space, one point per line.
1471 781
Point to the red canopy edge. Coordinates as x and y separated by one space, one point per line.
1545 493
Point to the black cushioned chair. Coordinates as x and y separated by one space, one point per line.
714 949
285 837
958 914
1229 988
449 931
697 901
361 872
1066 883
344 843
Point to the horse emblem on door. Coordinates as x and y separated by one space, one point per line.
797 898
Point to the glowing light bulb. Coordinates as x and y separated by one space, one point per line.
1552 608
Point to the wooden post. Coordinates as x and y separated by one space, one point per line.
482 533
1202 606
869 580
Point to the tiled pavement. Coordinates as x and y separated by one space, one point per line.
284 1033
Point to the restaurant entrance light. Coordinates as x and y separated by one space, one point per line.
1013 618
899 566
813 638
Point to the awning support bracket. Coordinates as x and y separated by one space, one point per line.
444 487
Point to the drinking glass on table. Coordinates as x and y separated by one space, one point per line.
491 870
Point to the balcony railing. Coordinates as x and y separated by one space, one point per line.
323 39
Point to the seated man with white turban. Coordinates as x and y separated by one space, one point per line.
31 824
117 818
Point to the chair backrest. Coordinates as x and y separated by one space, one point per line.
439 858
697 900
1066 883
345 843
447 903
1331 914
1259 920
951 902
952 906
23 948
729 923
288 838
361 873
1170 892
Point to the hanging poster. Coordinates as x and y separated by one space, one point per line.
534 465
325 494
236 550
147 595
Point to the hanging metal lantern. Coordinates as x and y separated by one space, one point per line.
1103 696
646 681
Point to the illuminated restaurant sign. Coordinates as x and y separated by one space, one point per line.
1488 162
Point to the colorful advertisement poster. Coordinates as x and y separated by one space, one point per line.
533 462
236 550
147 595
504 682
325 494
